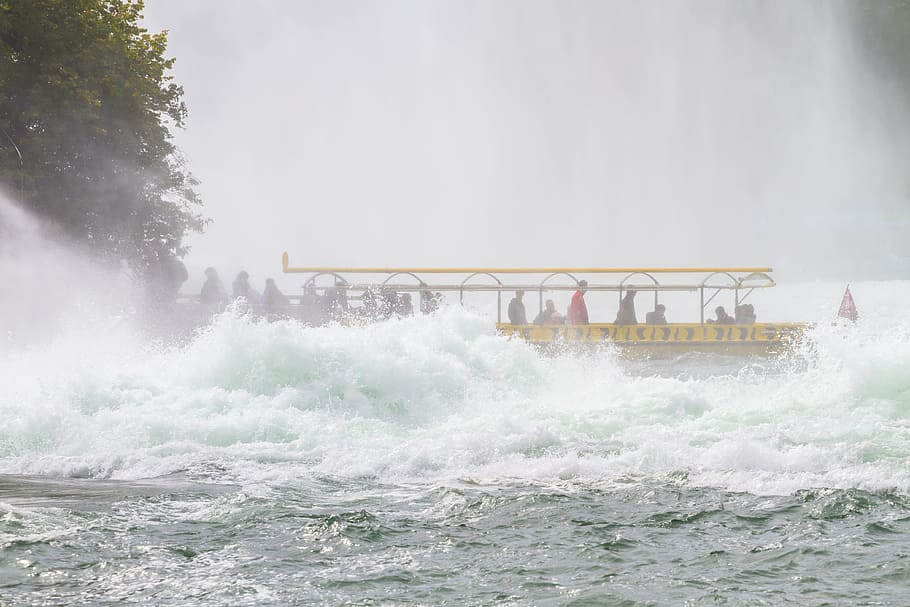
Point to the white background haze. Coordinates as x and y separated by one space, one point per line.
539 133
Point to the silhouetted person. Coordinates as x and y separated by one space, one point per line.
166 274
336 301
517 314
368 305
626 313
274 301
744 314
213 293
549 315
241 288
722 317
405 306
311 306
389 305
656 317
428 303
578 311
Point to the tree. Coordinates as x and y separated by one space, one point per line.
87 96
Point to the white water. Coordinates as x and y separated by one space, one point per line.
429 399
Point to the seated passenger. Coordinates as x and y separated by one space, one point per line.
275 302
405 307
626 313
722 317
750 314
549 315
213 293
517 314
656 317
578 311
745 314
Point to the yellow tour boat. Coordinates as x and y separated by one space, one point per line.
705 283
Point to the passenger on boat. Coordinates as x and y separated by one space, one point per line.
549 315
276 303
745 314
368 307
722 317
656 317
213 293
389 306
517 314
336 301
578 311
165 275
405 307
626 313
312 307
242 288
429 302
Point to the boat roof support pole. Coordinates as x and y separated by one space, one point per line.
702 311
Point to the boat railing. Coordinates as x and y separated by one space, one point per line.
715 281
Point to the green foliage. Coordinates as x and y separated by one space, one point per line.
883 32
85 93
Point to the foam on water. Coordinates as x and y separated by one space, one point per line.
442 397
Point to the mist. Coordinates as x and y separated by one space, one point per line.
540 133
52 287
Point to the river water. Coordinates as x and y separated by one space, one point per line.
428 461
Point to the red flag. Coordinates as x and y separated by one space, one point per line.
848 307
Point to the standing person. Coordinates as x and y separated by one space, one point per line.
312 309
213 293
368 304
276 303
429 302
517 314
241 288
405 305
578 311
166 274
626 313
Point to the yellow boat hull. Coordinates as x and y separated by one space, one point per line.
754 339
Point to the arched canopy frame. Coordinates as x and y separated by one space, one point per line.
622 285
542 286
734 284
498 292
311 281
754 276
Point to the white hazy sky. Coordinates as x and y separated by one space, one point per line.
525 133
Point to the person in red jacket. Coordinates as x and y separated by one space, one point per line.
578 311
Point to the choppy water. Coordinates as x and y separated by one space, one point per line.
428 461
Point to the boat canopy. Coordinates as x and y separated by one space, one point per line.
708 281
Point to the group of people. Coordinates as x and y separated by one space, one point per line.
577 313
744 315
334 304
214 295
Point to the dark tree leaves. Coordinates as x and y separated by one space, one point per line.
86 95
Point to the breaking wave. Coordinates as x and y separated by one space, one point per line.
443 397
